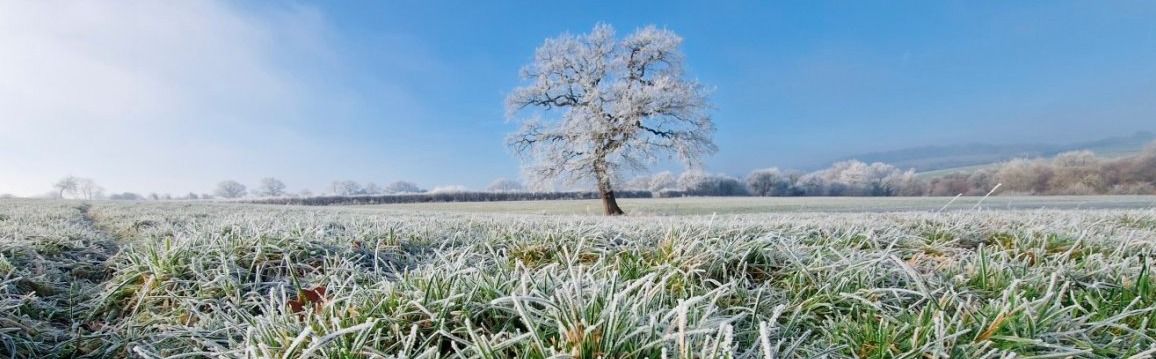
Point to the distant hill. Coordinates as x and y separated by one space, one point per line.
933 158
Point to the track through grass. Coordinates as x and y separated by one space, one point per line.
53 269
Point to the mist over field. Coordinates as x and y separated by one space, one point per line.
425 180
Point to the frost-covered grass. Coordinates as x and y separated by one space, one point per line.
52 262
205 280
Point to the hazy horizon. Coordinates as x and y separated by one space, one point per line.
173 97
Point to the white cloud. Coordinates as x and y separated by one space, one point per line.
163 96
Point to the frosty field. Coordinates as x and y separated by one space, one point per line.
704 278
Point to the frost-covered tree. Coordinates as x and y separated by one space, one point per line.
228 189
1025 175
347 188
856 178
704 184
1076 172
505 185
372 188
812 184
271 187
663 181
402 187
693 180
768 182
606 106
640 183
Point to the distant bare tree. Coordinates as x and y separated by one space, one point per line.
662 181
812 184
505 185
624 104
1143 167
347 188
230 189
88 189
402 187
271 187
704 184
768 182
1025 176
67 184
950 185
1077 172
691 179
856 178
640 183
372 188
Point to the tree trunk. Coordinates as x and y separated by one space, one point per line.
605 189
610 204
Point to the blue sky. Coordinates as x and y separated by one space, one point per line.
175 96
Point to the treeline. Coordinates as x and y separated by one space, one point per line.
847 178
444 197
1070 173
